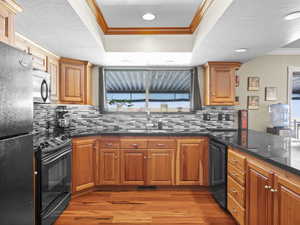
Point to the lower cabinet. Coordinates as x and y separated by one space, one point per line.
109 166
259 197
286 201
83 164
272 195
192 162
133 167
160 167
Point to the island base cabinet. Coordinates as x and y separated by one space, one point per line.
83 165
160 167
133 167
286 202
258 186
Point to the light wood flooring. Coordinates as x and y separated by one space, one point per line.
155 207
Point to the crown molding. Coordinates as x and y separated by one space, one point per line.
12 5
200 13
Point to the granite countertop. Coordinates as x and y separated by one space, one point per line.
279 151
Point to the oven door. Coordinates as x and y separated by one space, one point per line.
41 87
55 184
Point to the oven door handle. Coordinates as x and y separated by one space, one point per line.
51 160
44 88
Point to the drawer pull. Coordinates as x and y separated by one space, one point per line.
135 145
234 210
160 145
273 190
267 187
109 144
234 174
234 191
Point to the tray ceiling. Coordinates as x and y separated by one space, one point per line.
172 16
169 13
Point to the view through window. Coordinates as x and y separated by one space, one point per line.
143 90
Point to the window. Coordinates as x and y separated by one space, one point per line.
143 90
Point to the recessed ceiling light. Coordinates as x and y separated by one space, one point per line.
148 16
292 16
240 50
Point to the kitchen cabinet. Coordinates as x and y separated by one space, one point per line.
236 184
53 70
109 167
83 166
286 201
75 81
133 167
272 195
219 79
259 198
8 10
192 162
39 59
160 167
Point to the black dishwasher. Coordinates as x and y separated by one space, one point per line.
218 172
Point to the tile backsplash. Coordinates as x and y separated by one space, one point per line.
88 117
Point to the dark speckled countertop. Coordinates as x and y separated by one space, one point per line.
279 151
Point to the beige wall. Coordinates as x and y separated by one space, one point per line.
272 70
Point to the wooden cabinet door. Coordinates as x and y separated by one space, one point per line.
109 167
160 167
222 85
83 164
53 70
258 202
72 80
7 32
286 201
39 59
192 162
133 167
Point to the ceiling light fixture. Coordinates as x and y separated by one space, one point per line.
241 50
292 16
148 16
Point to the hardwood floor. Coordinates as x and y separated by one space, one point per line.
145 207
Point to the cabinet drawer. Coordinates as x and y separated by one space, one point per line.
109 144
237 160
134 144
236 174
162 144
236 191
236 211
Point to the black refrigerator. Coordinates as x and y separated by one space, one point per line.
16 144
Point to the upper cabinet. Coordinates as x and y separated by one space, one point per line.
8 10
75 81
220 83
53 70
39 59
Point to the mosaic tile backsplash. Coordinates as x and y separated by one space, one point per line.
88 117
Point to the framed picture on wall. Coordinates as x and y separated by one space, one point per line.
253 102
253 83
271 93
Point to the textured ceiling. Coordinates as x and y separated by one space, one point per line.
169 13
56 26
257 25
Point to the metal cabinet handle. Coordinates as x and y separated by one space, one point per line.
273 190
135 145
160 145
109 144
35 173
267 187
234 191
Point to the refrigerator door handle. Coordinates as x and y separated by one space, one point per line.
44 85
